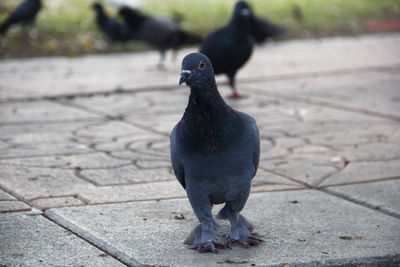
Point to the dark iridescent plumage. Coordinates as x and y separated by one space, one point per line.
230 47
158 32
261 30
111 28
214 153
25 13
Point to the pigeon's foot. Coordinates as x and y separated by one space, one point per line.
202 241
245 242
211 246
236 95
161 67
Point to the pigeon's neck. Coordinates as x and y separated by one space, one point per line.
101 17
208 121
240 28
206 101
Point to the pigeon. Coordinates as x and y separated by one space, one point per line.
230 47
25 13
111 28
215 153
160 33
261 30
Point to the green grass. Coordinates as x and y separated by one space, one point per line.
66 27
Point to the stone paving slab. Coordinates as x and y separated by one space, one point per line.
364 171
41 111
297 227
381 195
369 90
59 187
30 140
328 116
10 203
28 240
94 160
105 73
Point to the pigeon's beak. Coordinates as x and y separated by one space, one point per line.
185 76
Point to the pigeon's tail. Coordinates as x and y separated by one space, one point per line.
186 38
261 30
223 215
5 25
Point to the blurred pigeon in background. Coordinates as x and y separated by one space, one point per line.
25 13
160 33
230 47
214 153
111 28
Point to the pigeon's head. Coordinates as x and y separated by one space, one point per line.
97 7
242 11
129 12
196 70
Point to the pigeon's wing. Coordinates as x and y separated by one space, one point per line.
262 29
254 137
118 31
176 157
216 46
256 156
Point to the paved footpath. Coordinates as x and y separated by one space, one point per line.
85 177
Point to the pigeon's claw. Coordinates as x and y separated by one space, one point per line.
208 247
246 242
254 241
211 247
236 95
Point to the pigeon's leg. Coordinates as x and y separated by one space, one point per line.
160 64
202 237
241 229
174 55
24 35
232 82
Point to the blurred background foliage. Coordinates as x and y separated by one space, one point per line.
67 27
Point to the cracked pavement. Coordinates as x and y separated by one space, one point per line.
85 176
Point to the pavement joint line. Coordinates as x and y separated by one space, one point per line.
23 123
323 103
45 155
346 164
14 211
308 186
376 180
91 239
287 76
359 202
342 196
77 173
386 261
107 117
165 198
19 197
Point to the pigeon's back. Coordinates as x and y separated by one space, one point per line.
26 11
228 48
159 32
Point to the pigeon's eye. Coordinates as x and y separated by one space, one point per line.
202 65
